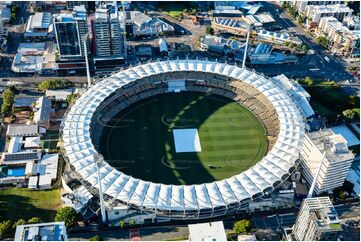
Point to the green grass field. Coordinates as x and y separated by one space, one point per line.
17 203
139 141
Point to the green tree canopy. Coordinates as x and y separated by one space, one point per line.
6 229
19 222
309 81
8 101
209 30
96 238
34 220
351 114
67 215
242 226
54 84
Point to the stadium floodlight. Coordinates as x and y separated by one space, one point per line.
245 49
98 158
85 38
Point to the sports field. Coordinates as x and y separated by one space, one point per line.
140 140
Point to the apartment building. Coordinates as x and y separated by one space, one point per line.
317 220
327 153
109 36
301 5
316 12
352 22
342 40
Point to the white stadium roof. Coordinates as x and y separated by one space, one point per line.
256 180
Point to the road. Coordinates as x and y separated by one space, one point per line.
271 222
335 70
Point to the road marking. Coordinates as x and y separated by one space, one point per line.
287 214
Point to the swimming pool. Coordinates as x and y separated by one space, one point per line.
16 171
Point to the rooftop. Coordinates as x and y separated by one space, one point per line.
232 23
323 212
22 130
213 231
334 8
333 144
55 231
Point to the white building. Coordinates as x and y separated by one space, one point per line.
213 231
39 26
301 5
220 45
277 38
55 231
317 220
238 27
263 55
109 34
316 12
143 25
352 22
331 150
34 58
342 40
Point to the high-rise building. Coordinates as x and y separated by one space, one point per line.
329 151
108 32
70 30
317 220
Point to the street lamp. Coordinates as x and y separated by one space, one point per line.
98 159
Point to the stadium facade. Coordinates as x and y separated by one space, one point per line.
83 123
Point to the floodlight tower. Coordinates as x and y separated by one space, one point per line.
98 162
85 38
245 49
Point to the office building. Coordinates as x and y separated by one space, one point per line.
213 231
55 231
109 36
339 11
70 30
331 150
317 220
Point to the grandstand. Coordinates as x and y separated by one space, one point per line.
282 119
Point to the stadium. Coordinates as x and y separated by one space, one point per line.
256 108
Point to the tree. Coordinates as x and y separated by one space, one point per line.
242 226
71 98
309 81
67 215
304 48
131 222
54 84
34 220
6 229
122 224
209 30
96 238
351 114
19 222
8 101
